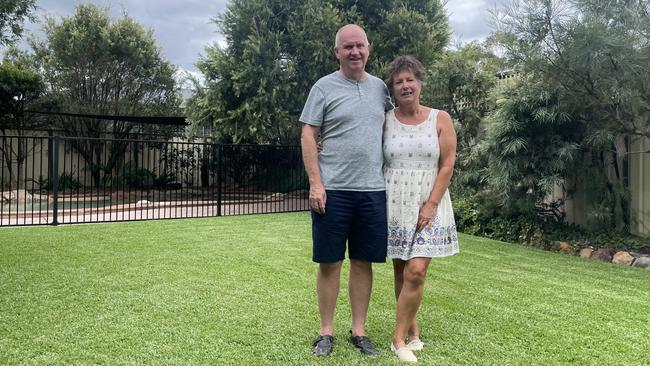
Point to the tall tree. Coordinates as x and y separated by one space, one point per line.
414 27
462 82
12 15
20 87
275 50
594 56
94 64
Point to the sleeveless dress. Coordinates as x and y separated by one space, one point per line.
411 154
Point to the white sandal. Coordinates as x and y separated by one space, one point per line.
404 353
415 345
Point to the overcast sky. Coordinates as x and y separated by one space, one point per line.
183 28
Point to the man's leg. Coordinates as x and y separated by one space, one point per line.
367 244
328 280
359 287
329 234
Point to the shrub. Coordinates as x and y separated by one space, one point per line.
478 214
282 180
164 180
68 182
136 177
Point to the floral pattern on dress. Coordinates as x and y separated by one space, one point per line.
431 242
411 154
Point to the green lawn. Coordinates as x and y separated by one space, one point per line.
240 291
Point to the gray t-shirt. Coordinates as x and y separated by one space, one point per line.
350 115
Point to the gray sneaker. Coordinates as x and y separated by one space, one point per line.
364 345
323 345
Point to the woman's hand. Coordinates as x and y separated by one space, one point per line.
425 216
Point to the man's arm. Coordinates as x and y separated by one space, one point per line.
317 196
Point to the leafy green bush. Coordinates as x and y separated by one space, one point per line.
111 181
68 182
478 215
581 237
42 183
164 180
481 216
282 180
136 177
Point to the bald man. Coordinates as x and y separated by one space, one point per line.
346 186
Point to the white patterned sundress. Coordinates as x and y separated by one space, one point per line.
411 154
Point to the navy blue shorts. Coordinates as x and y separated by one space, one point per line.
358 218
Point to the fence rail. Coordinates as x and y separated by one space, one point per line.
61 180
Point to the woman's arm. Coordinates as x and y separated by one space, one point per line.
447 143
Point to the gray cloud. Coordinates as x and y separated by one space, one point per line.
470 19
184 28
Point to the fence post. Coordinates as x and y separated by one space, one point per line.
55 180
219 164
50 153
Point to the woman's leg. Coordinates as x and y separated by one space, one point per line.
409 297
398 271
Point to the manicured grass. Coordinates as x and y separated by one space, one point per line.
240 291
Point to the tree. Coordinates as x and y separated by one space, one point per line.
417 28
593 56
532 146
12 15
255 86
96 65
462 82
20 87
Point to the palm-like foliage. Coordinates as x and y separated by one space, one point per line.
591 57
532 145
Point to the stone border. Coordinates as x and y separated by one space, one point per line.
632 259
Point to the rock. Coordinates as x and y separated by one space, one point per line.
586 252
636 254
566 248
602 254
274 197
40 198
17 196
642 262
623 258
7 196
536 238
299 193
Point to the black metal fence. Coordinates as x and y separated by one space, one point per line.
61 180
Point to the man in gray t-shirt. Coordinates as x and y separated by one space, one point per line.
347 192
